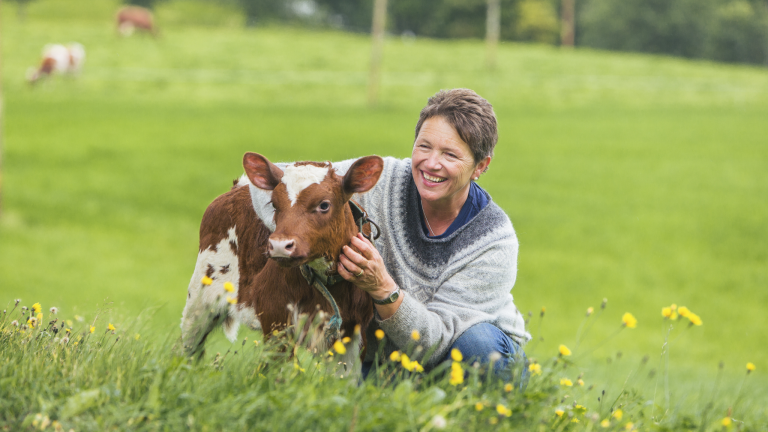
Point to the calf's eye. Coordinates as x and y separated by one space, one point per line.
324 206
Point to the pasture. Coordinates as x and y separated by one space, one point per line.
640 179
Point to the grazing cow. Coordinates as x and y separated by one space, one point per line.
58 58
130 18
249 271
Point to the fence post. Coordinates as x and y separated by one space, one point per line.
492 30
568 25
377 48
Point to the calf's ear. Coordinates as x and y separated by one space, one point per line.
363 174
262 173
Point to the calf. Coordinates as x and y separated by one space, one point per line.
247 274
130 18
60 59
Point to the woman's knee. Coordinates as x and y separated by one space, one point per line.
480 341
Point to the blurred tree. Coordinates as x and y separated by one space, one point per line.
739 33
352 15
536 22
149 4
264 10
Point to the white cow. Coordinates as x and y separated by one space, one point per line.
57 58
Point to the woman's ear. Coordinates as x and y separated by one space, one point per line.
481 167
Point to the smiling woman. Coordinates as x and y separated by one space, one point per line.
447 258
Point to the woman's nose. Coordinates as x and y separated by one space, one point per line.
433 161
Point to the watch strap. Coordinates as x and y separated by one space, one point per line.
389 300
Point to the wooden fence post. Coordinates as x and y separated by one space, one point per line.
492 30
377 48
568 24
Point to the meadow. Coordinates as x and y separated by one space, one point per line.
640 179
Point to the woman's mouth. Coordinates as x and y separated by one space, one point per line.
433 179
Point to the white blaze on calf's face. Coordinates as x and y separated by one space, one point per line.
298 178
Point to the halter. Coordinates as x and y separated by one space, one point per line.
319 280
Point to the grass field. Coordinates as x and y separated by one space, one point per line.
639 179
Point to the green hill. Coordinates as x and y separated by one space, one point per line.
636 178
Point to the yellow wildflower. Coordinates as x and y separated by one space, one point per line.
255 342
581 382
559 412
590 310
32 321
111 327
92 329
543 310
507 387
206 280
695 319
68 330
346 339
379 334
574 420
395 356
137 337
457 374
629 426
493 420
750 367
564 351
566 382
535 369
605 423
726 421
683 311
415 335
79 318
673 306
629 320
36 308
666 312
502 410
40 317
479 406
673 316
231 300
618 414
339 347
456 355
228 287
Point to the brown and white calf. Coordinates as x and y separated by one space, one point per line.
131 18
57 58
246 274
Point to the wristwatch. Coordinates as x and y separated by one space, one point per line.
389 300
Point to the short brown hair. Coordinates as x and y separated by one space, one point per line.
468 113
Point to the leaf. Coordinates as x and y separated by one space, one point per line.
80 402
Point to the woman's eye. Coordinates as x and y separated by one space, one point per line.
324 206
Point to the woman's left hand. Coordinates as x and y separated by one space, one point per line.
365 268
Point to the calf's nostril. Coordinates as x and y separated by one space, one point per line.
289 246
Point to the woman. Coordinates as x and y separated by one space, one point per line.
447 258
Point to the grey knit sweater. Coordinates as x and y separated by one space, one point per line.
448 284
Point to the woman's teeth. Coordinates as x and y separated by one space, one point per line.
432 179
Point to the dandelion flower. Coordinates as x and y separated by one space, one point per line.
15 323
726 421
543 311
256 342
559 412
502 410
439 422
683 311
666 312
395 356
695 319
479 406
206 280
566 382
574 420
605 423
457 374
590 310
78 318
231 300
415 335
339 347
618 414
456 355
493 420
32 321
356 329
54 310
580 382
346 339
564 351
507 387
534 369
750 367
92 329
36 308
111 327
379 334
629 426
629 320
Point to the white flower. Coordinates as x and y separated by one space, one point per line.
15 323
439 422
54 310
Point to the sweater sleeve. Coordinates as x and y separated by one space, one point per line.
479 292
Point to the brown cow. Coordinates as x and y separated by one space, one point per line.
130 18
247 274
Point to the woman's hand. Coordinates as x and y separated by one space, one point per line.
365 268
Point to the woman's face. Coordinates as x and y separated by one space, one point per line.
442 163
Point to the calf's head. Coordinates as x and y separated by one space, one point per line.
312 218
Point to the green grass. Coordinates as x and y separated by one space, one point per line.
636 178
